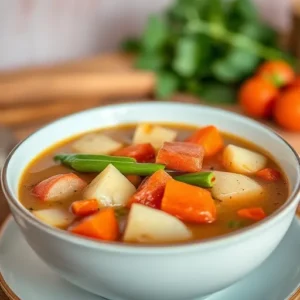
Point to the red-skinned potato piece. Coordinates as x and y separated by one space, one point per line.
188 203
102 225
142 153
151 191
84 208
181 156
58 187
210 138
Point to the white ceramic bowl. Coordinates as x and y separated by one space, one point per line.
182 272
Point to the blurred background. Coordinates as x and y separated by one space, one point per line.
54 54
42 32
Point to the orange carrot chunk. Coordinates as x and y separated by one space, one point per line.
141 152
210 138
58 187
180 156
253 213
134 179
84 208
269 174
151 191
188 203
102 225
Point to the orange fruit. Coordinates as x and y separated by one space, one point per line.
278 72
287 110
257 96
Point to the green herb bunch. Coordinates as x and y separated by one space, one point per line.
204 47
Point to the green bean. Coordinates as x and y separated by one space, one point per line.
202 179
67 159
126 168
97 163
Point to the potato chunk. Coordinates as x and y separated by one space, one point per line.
149 225
153 134
58 187
241 160
110 188
96 143
235 187
55 217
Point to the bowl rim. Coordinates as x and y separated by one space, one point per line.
208 243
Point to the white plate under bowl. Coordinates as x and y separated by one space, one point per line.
23 276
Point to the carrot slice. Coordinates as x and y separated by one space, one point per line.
151 191
210 138
269 174
134 179
58 187
84 207
180 156
102 225
253 213
140 152
188 203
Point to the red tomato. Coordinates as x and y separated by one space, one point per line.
287 110
257 96
295 83
278 72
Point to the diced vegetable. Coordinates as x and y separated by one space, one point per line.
269 174
134 179
58 187
253 213
148 225
140 152
102 225
56 217
235 187
97 164
184 157
96 143
110 188
241 160
210 138
84 208
151 190
153 134
202 179
188 203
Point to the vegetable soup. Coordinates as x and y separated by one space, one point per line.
153 184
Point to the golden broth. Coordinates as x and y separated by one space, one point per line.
43 166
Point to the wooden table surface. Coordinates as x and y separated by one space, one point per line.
23 120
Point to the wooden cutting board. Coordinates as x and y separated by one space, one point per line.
32 97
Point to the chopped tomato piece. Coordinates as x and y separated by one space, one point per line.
188 203
102 225
185 157
141 152
269 174
253 213
134 179
58 187
151 191
210 138
84 207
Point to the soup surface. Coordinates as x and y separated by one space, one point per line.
236 184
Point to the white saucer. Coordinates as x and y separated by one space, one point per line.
26 277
